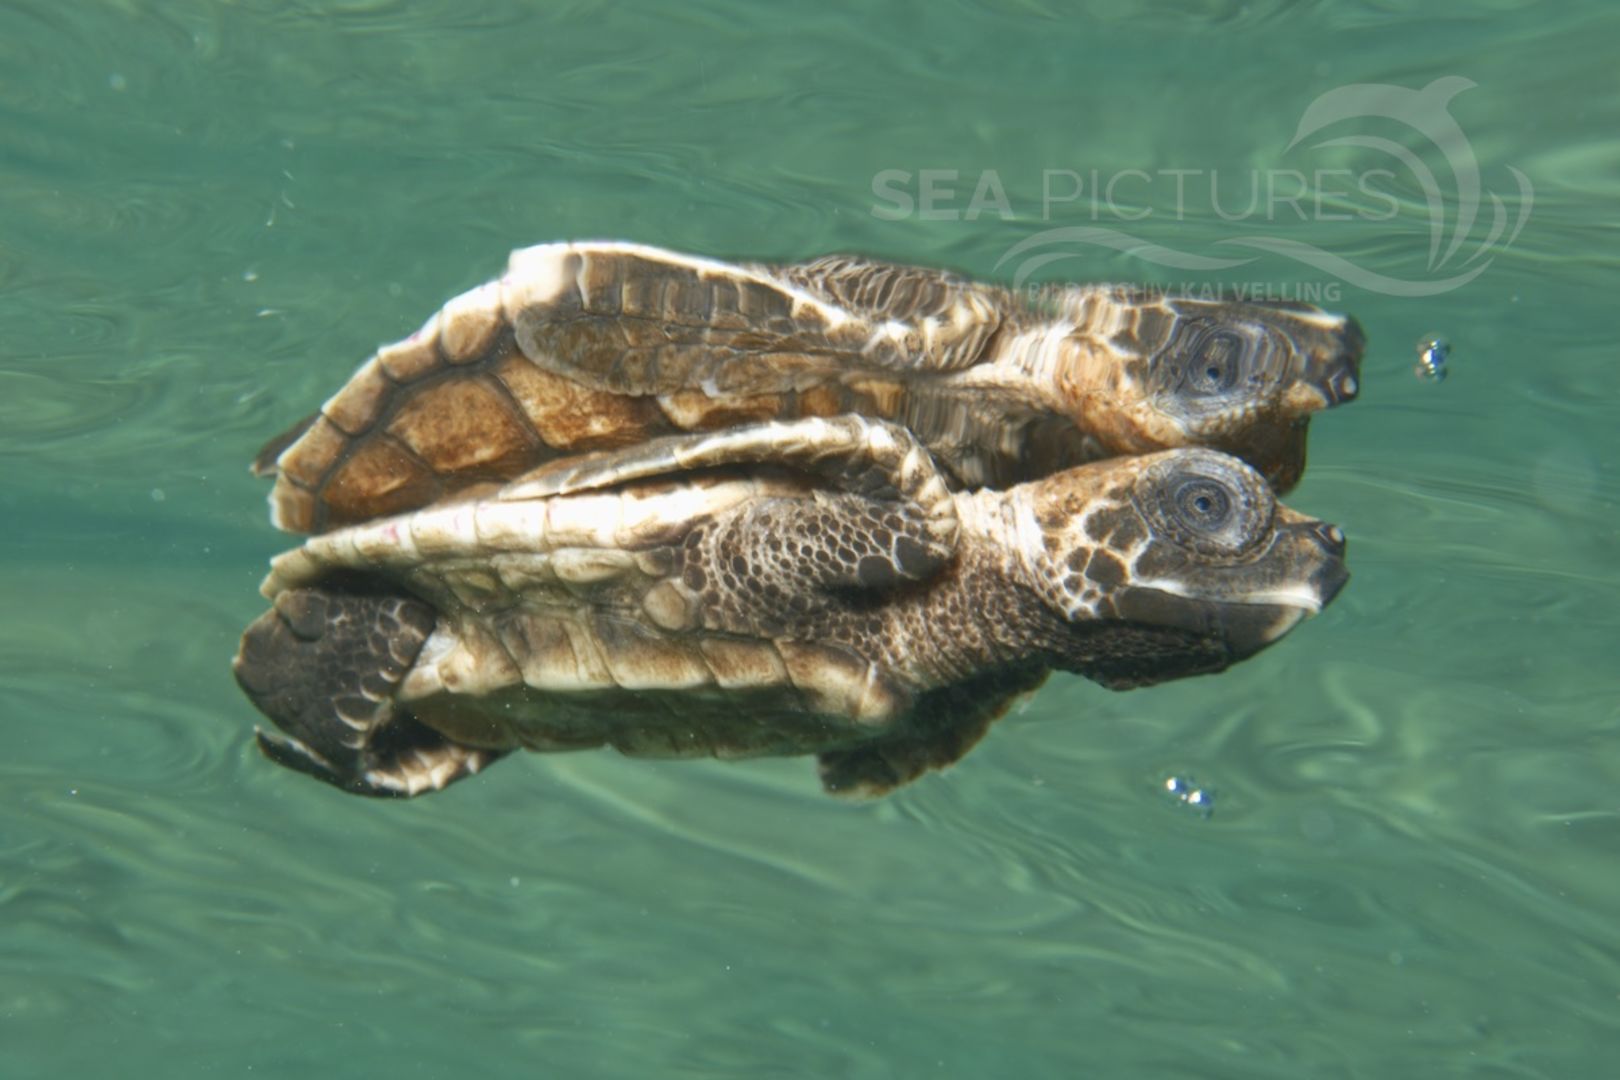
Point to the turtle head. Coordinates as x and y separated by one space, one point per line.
1238 376
1176 563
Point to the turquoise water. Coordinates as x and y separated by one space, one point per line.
212 212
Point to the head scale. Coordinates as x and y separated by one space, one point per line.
1176 563
1238 376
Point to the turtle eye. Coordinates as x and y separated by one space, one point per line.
1206 502
1215 362
1203 505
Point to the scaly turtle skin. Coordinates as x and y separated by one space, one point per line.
784 588
601 345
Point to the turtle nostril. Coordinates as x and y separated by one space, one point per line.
1343 363
1336 380
1330 537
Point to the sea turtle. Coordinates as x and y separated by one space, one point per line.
809 586
599 345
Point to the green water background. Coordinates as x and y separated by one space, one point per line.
209 213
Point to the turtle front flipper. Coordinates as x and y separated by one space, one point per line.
888 516
855 455
921 319
324 664
946 724
638 320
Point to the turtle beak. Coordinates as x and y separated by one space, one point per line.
1333 574
1248 628
1250 606
1242 629
1327 364
1333 363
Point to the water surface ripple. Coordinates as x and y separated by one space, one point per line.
214 212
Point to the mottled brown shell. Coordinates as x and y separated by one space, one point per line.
673 599
590 349
603 345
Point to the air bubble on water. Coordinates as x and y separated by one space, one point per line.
1433 351
157 495
117 83
1186 792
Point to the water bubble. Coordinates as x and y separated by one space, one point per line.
1185 791
1433 352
